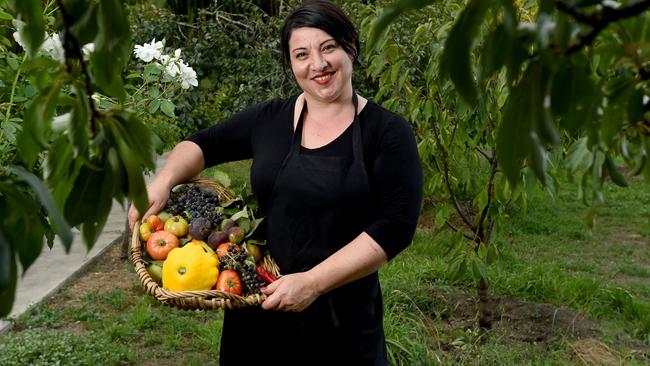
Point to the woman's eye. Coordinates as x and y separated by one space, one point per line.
300 55
329 47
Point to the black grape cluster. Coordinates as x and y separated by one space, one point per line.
236 259
190 202
233 259
250 278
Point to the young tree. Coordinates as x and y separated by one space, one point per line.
531 74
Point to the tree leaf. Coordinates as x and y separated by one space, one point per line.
6 255
613 172
167 107
154 105
137 189
138 137
80 121
112 48
30 12
456 57
479 271
23 215
527 125
8 275
494 52
56 218
85 22
37 124
389 14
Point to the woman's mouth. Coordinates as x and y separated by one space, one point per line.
324 78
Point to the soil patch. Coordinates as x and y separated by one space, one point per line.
109 272
521 321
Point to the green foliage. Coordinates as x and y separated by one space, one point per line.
579 66
64 158
41 347
236 57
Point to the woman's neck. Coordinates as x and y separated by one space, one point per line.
329 108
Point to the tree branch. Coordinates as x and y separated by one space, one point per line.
72 51
479 233
455 229
599 20
445 171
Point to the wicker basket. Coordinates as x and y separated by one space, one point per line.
204 299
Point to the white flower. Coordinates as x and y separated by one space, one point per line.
20 40
87 49
54 48
187 76
149 51
172 69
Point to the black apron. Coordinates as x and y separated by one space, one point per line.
318 205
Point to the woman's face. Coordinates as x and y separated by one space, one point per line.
320 65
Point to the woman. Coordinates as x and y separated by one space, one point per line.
339 181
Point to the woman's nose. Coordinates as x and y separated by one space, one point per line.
319 63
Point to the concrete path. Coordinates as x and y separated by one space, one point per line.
54 268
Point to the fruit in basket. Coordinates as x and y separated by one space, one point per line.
216 238
205 246
200 228
177 225
227 224
191 202
161 243
155 222
225 248
145 231
254 251
155 271
235 234
229 281
190 268
164 216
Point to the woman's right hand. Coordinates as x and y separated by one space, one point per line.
158 195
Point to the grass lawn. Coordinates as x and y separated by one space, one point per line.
564 295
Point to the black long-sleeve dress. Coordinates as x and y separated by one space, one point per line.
369 179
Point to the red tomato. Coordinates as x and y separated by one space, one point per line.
155 222
222 249
160 244
229 281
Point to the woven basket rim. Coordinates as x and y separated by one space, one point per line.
202 299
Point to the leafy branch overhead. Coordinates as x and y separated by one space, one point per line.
602 45
73 157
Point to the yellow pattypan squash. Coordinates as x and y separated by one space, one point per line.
189 268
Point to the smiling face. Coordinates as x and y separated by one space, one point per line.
320 65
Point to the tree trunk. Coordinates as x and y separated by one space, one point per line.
486 311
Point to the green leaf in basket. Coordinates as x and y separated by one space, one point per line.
240 214
231 202
256 241
254 225
244 223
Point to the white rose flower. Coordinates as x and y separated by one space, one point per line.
172 69
149 51
87 49
54 48
187 76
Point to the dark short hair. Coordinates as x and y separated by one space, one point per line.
326 16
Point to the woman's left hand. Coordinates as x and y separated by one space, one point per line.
292 292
